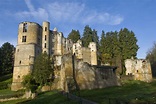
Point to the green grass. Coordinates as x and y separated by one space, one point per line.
19 101
6 91
5 81
131 91
50 98
5 77
43 98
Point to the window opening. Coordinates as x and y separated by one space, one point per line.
20 62
45 29
45 37
24 38
45 45
25 27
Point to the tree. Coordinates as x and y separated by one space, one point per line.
87 36
29 83
151 56
7 58
95 38
42 69
128 46
115 47
105 57
74 35
90 35
109 47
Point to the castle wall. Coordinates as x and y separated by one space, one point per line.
141 69
58 44
93 50
68 46
34 39
28 47
77 49
86 55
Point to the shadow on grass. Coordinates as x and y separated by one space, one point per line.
49 98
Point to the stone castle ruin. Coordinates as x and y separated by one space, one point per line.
140 69
34 39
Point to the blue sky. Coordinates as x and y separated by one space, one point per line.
108 15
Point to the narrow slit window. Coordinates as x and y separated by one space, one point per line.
45 37
45 29
45 45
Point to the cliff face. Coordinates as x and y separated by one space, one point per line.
86 76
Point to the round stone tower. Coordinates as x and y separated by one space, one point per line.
28 47
92 46
46 37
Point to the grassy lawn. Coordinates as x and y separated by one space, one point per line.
43 98
131 91
134 92
9 92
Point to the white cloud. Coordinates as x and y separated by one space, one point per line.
73 12
65 11
40 13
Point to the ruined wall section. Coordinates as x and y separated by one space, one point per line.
140 68
93 50
77 49
28 47
86 55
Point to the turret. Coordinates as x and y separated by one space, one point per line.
46 37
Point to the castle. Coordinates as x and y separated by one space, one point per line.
34 39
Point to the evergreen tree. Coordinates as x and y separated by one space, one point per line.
128 46
90 35
42 69
87 36
95 38
7 58
105 57
109 47
74 35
